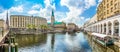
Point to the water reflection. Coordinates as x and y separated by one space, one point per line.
75 42
97 47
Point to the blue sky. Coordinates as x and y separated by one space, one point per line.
69 11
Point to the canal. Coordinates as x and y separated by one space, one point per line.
59 42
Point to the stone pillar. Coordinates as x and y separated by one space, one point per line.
102 28
106 28
97 28
119 28
112 28
92 29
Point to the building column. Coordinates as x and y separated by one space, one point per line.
112 28
92 29
106 28
97 28
119 28
102 28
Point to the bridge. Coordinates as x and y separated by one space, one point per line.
3 37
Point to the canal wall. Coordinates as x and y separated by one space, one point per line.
27 31
97 47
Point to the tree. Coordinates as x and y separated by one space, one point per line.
43 27
31 26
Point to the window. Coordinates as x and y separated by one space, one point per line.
115 6
111 2
112 9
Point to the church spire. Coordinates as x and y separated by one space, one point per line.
7 20
52 12
52 18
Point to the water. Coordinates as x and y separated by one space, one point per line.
58 42
61 42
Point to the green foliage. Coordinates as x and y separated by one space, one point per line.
44 27
31 26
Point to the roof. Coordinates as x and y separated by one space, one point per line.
56 23
99 35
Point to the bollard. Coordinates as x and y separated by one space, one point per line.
16 47
6 48
12 47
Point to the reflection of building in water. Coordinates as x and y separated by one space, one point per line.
53 41
97 47
29 40
50 43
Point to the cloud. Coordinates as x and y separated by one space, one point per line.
100 1
89 3
76 8
3 15
36 6
33 12
46 12
16 9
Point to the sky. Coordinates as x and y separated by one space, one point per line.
69 11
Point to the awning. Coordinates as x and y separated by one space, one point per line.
99 35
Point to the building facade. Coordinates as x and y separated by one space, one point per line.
71 26
108 8
20 21
108 19
59 26
2 23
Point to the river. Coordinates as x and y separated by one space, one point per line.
58 42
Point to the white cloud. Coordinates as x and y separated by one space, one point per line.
17 9
3 14
32 12
36 6
89 3
100 1
76 8
46 12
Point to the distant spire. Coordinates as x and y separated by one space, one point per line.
53 12
7 20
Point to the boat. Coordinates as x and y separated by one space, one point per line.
102 39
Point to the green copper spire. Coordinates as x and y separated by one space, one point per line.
52 13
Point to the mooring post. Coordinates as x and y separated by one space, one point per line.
16 47
6 48
12 47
